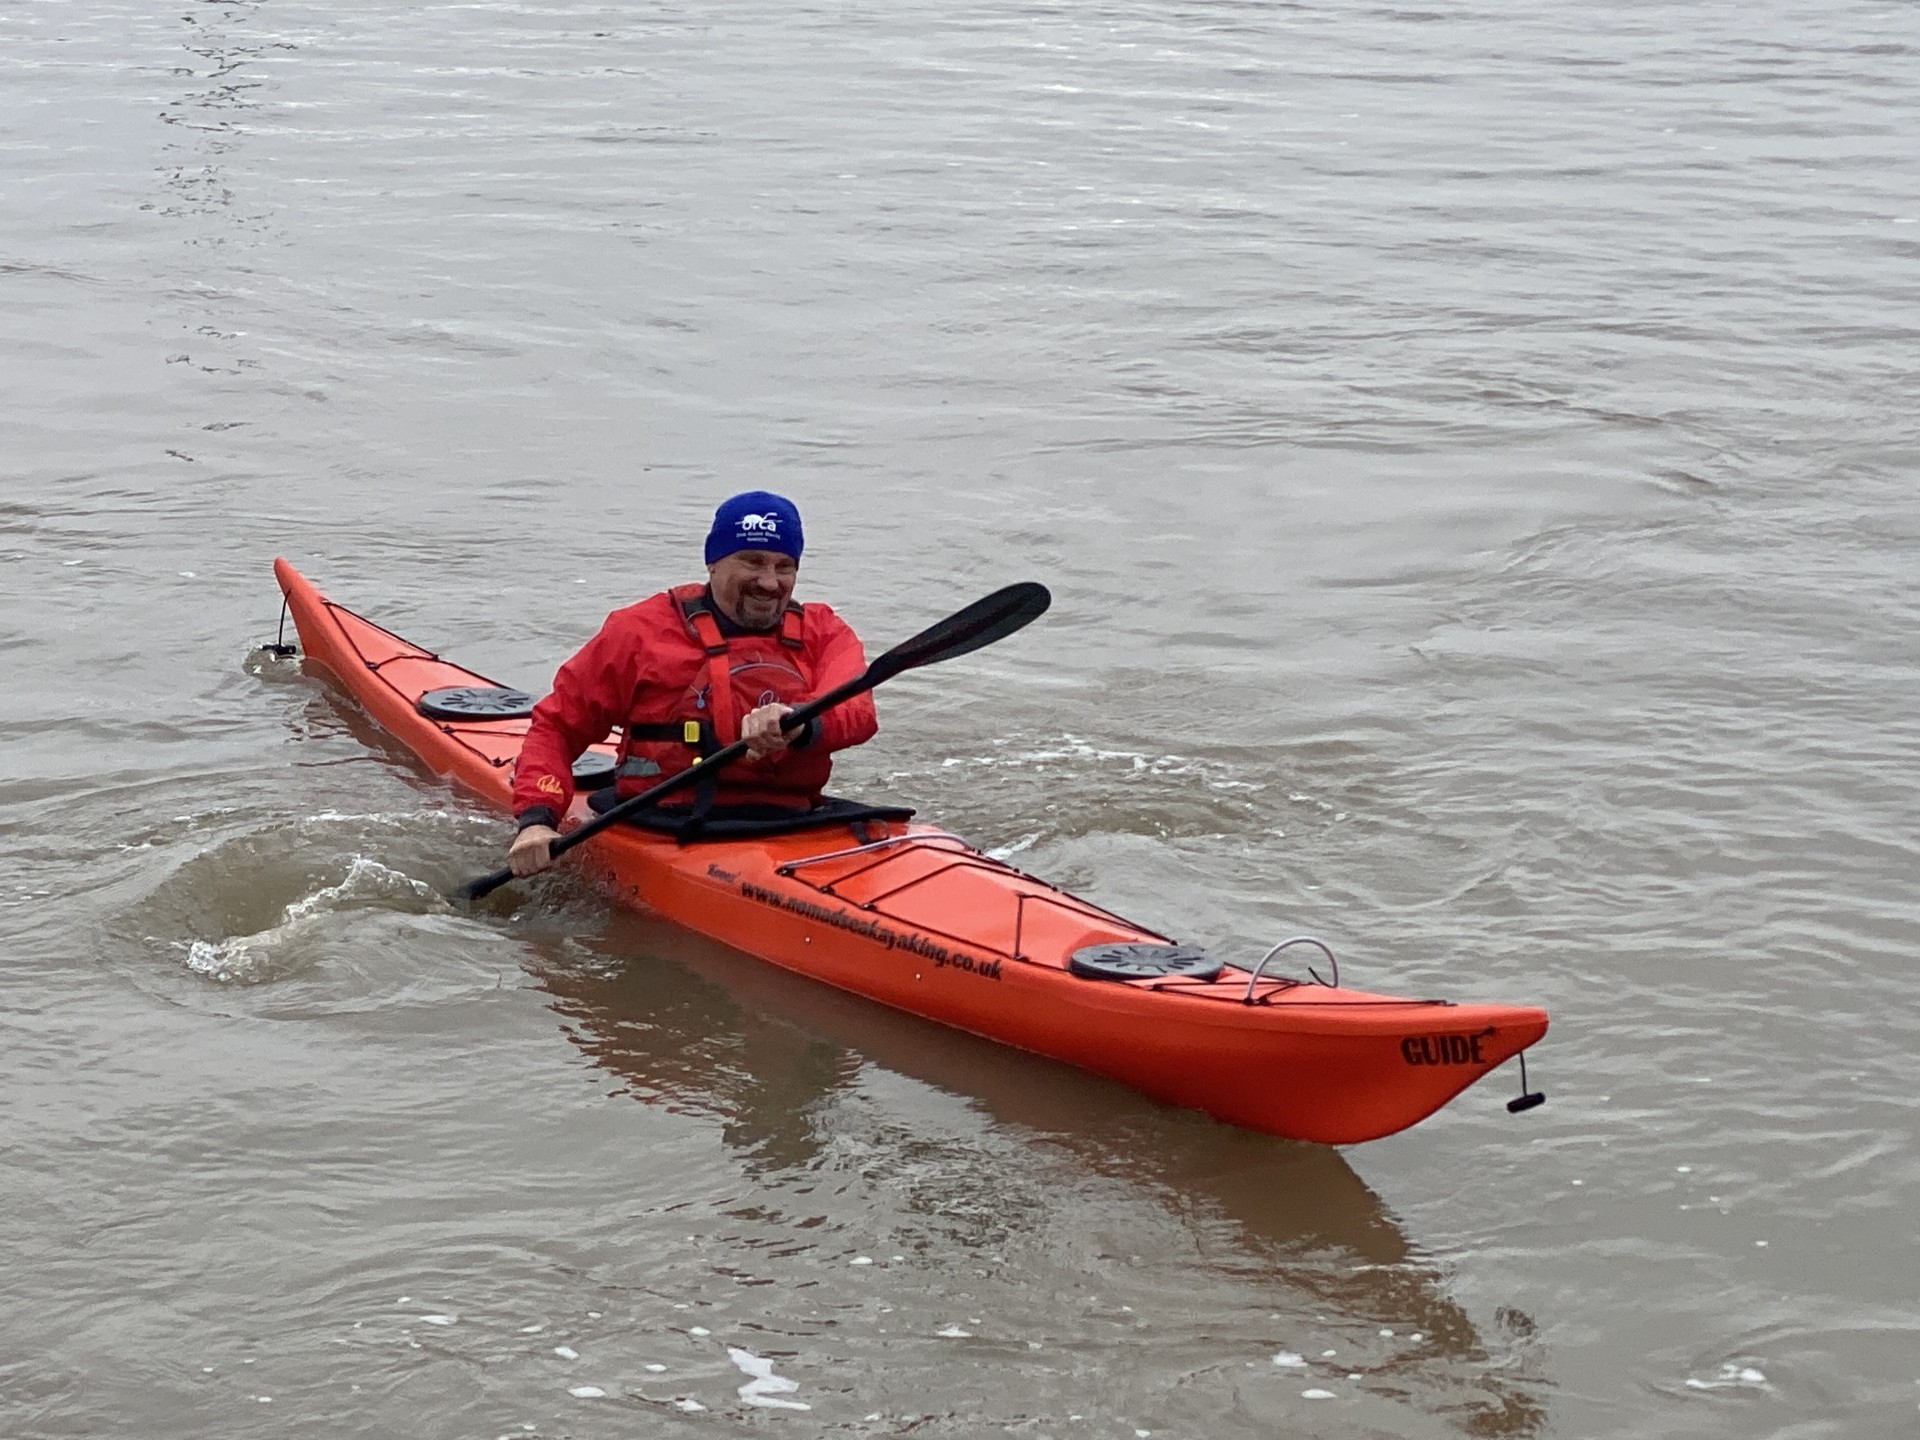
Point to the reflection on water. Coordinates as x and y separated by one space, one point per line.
781 1062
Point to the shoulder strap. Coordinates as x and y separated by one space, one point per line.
726 724
793 627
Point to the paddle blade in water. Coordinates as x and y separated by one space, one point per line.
485 885
991 618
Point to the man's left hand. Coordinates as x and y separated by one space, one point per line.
761 730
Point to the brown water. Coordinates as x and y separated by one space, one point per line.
1473 453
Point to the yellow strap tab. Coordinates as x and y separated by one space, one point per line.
690 732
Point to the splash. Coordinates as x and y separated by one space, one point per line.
1732 1375
251 959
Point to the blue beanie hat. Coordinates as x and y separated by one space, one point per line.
755 520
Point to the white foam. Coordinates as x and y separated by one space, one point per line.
566 1352
1732 1374
1317 1395
1287 1360
248 959
1072 748
440 1319
954 1332
689 1405
586 1392
764 1387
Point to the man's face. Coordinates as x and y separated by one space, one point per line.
751 586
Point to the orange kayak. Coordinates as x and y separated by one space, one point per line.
914 917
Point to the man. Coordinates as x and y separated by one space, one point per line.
693 669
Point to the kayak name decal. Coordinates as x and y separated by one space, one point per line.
1443 1049
910 944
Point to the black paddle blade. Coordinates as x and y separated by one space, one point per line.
994 617
485 885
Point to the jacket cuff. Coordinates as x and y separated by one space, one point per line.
536 815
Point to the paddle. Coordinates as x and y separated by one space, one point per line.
986 620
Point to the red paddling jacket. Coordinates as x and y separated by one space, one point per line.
677 677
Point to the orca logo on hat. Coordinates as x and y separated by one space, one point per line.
759 524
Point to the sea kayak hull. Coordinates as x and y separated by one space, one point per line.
911 916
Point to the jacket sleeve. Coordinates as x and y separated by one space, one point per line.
590 696
841 658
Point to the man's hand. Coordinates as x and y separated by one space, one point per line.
531 852
761 730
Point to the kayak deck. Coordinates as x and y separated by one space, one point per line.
914 917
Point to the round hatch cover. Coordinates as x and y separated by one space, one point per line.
1144 962
593 771
476 702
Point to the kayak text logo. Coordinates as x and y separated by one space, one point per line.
899 940
1442 1049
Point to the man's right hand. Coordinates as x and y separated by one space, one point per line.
532 850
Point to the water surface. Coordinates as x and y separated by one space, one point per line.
1472 451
